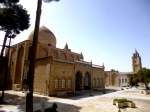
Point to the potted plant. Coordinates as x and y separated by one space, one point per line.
120 103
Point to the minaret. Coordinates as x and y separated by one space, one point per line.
136 62
82 56
66 46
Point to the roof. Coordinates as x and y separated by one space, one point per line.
122 73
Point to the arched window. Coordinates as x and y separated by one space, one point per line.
56 83
97 82
55 55
43 53
63 56
77 58
63 83
69 83
71 58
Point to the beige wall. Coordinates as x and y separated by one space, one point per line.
114 78
111 78
41 77
98 76
53 63
61 70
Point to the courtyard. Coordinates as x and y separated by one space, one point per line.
81 101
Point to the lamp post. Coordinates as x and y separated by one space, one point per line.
26 91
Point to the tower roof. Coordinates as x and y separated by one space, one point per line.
81 55
136 53
66 46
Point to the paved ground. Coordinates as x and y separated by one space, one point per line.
82 102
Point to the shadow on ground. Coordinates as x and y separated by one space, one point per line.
13 99
63 107
19 102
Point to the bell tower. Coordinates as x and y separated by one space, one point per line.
136 62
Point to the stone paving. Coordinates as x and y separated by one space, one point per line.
84 102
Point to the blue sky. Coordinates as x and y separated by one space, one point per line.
105 31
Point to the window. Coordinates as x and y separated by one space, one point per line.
69 83
49 44
63 83
122 80
125 80
56 83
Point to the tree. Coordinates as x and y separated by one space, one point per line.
9 1
142 76
13 19
30 78
19 21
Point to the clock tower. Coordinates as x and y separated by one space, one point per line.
136 62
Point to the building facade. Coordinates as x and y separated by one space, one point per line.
116 78
57 71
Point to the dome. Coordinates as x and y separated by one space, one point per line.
45 37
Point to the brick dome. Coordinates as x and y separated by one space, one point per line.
45 37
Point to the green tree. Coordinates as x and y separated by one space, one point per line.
13 19
30 78
9 1
142 76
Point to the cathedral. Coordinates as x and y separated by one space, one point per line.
123 79
57 71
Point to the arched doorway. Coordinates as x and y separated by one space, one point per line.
19 65
87 81
114 79
78 82
12 68
106 80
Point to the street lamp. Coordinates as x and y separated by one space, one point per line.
26 91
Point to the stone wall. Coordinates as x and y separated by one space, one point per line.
61 70
41 78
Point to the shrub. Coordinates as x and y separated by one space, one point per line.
116 99
122 100
104 92
91 94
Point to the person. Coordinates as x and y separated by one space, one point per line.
136 85
130 86
52 109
